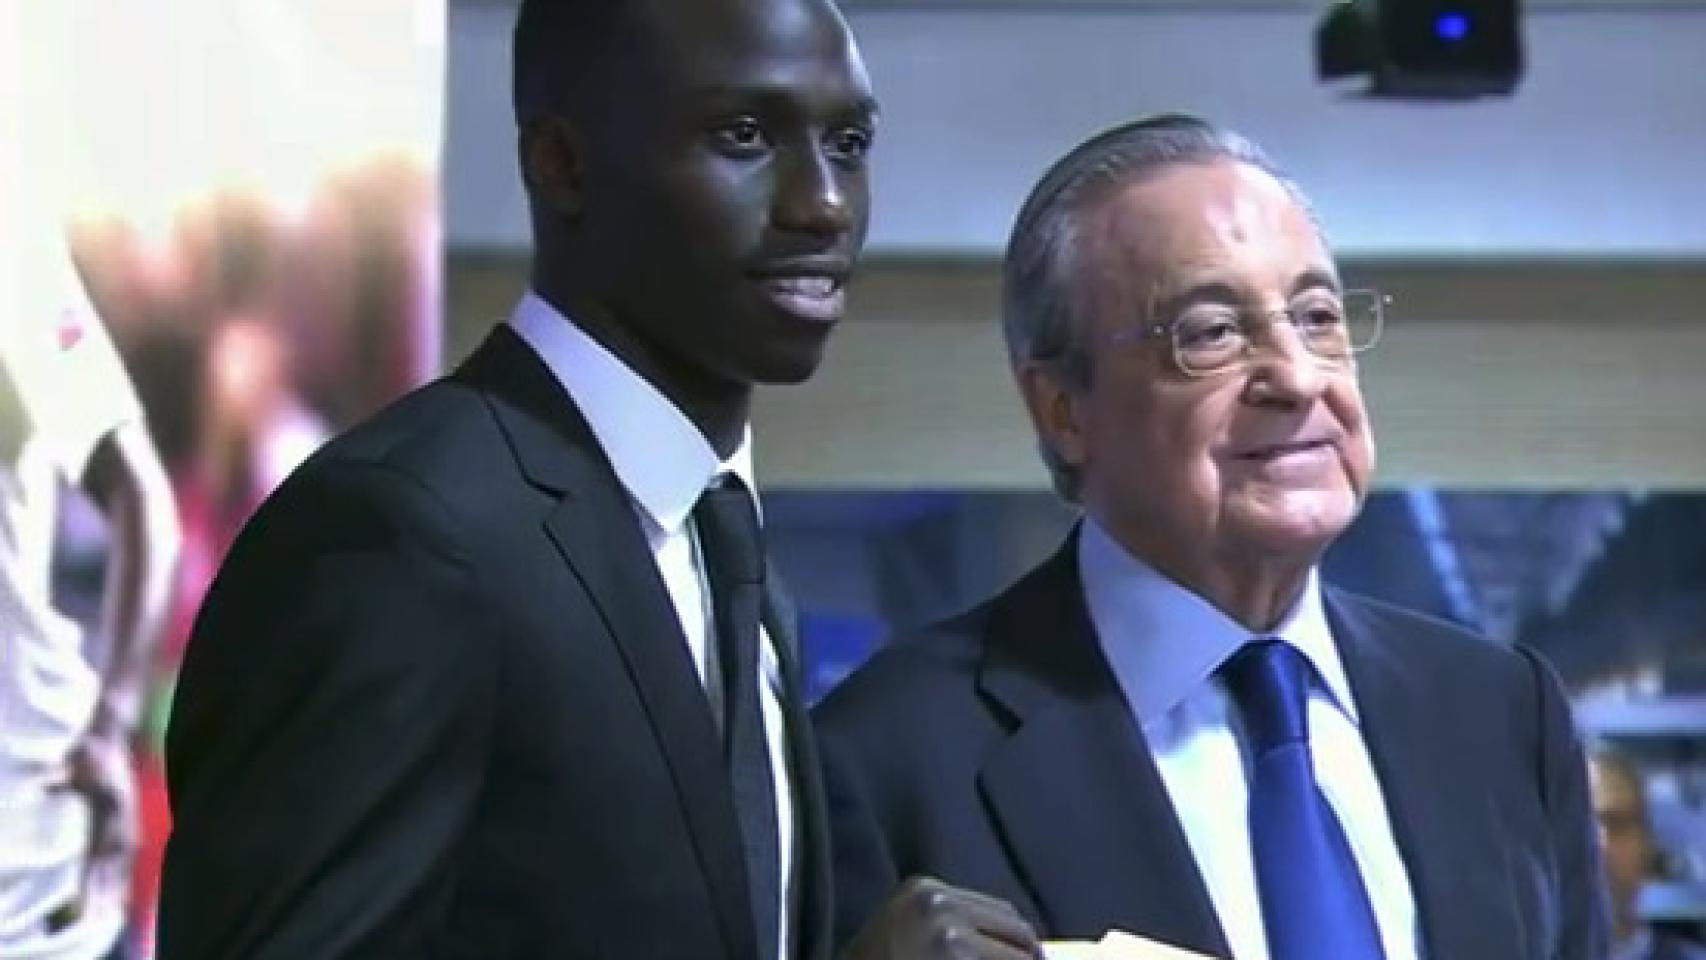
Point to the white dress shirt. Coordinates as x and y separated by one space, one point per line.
1164 644
665 463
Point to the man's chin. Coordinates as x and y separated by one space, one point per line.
787 364
1300 523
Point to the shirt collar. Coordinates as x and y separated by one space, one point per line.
1164 641
1306 628
660 457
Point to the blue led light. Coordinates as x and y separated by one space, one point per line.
1451 26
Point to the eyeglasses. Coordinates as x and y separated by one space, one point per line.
1209 338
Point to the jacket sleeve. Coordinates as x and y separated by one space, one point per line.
1582 907
862 865
330 730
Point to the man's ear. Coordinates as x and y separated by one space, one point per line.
1054 410
553 163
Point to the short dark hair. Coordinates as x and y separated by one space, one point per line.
555 46
1040 301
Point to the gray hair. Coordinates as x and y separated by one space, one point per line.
1041 294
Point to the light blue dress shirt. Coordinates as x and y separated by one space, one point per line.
1164 644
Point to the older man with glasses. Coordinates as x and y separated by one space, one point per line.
1172 727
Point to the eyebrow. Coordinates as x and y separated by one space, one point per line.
1222 292
784 96
1315 278
1214 292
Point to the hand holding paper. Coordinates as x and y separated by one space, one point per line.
928 919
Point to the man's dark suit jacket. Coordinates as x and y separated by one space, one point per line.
996 752
438 704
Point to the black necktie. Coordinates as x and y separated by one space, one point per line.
1314 906
734 564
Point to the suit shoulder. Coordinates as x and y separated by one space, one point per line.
938 671
1416 632
438 447
433 432
932 665
1446 656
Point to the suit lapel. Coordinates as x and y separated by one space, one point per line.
811 809
1074 790
1425 755
594 528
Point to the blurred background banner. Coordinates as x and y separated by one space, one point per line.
251 194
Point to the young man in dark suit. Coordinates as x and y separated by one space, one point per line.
502 672
1171 727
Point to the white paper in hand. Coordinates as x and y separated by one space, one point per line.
1117 945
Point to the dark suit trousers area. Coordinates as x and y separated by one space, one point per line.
437 705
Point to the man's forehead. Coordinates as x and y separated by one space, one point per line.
1222 200
1199 223
781 47
702 28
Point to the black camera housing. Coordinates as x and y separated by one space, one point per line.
1424 49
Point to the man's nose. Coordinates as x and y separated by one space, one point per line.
810 194
1283 368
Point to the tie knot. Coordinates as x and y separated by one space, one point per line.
1269 681
728 532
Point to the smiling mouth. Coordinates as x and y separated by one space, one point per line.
816 297
1276 451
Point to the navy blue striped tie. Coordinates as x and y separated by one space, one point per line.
1314 905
